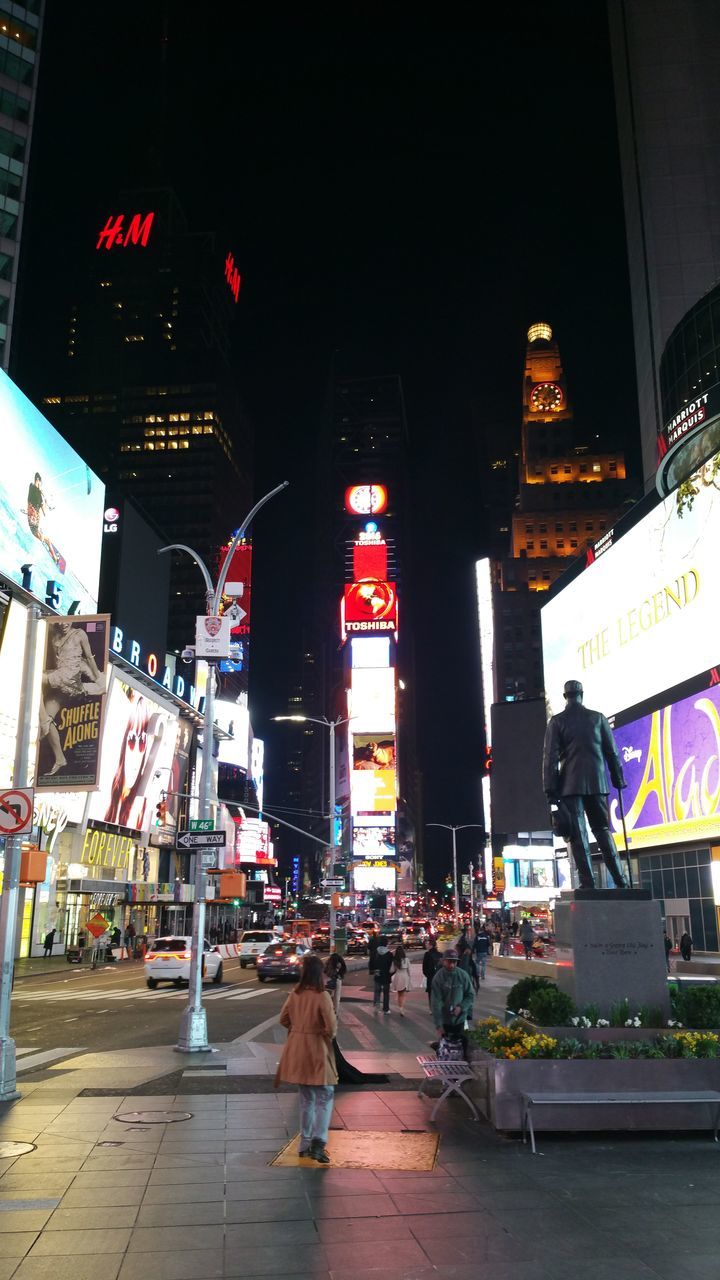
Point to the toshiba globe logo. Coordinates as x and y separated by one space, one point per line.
371 601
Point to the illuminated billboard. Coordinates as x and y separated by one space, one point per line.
368 876
72 702
139 744
369 606
370 651
644 615
373 783
252 841
670 759
366 499
371 700
234 718
373 842
51 509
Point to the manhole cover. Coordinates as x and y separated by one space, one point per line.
10 1149
153 1117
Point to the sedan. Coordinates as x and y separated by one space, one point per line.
168 960
281 960
358 942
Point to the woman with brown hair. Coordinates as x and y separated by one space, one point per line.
401 981
308 1059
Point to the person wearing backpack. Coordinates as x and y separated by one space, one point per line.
430 965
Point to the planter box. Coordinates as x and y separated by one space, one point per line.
596 1035
501 1083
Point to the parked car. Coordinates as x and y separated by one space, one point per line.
168 960
252 944
281 960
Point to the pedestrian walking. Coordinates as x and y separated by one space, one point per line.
48 942
481 950
464 941
335 970
527 936
686 946
401 980
430 965
373 945
308 1059
467 964
504 949
383 972
496 939
668 949
451 999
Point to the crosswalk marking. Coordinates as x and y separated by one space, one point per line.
30 1060
119 994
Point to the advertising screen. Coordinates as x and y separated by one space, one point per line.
373 774
367 877
252 841
72 703
51 508
370 651
671 760
369 606
372 700
139 743
234 718
374 842
644 616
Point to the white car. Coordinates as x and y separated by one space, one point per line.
253 943
168 960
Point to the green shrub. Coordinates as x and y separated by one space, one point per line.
650 1016
696 1006
550 1007
519 995
619 1013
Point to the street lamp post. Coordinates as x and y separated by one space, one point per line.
193 1024
462 827
332 725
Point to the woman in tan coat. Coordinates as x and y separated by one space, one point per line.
308 1059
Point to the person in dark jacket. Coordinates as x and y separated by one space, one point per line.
686 946
668 948
335 970
579 743
451 998
383 974
481 949
373 945
48 942
527 936
430 965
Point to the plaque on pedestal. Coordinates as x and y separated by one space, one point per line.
610 948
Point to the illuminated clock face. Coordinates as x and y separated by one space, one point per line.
546 397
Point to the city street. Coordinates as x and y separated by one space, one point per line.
72 1010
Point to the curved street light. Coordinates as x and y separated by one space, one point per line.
461 827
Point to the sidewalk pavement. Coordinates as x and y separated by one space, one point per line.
199 1198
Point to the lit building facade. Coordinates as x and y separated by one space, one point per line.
20 36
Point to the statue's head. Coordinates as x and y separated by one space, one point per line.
573 691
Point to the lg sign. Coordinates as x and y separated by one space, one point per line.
110 523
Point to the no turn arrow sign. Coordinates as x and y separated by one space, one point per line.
16 812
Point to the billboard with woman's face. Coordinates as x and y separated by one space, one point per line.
139 742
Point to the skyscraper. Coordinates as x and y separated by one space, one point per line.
666 56
20 33
141 381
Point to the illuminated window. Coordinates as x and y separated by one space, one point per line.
161 430
208 431
184 417
52 400
149 447
172 444
149 431
172 431
197 431
209 417
499 464
125 448
597 467
184 444
134 337
174 417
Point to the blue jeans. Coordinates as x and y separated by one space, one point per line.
481 962
316 1104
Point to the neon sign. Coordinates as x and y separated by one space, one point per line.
148 662
115 235
366 499
232 275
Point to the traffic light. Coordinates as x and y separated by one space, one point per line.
160 813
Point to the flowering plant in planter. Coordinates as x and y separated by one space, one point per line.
516 1041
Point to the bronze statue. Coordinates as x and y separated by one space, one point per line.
578 743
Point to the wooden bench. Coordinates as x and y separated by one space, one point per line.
531 1100
450 1073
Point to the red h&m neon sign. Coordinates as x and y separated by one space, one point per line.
115 234
232 275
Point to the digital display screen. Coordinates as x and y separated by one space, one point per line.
366 878
51 509
644 616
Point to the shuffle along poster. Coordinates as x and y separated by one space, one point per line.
72 703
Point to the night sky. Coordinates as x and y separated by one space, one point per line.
411 195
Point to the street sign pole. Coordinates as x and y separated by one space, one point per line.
193 1024
11 875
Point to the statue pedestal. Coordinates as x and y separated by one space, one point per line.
610 947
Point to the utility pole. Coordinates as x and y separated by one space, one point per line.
11 874
462 827
193 1024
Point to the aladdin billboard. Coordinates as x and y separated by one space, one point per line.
671 759
51 509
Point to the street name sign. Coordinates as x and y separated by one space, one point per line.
200 824
200 839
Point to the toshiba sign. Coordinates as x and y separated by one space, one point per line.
369 606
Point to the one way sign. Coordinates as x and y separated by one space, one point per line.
199 839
